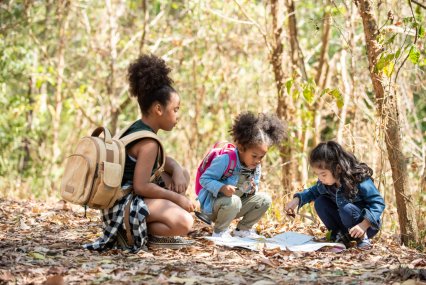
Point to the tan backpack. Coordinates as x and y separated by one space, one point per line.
93 173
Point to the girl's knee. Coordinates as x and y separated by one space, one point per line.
350 208
233 202
350 214
184 223
265 200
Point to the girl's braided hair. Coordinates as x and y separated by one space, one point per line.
149 81
344 166
249 129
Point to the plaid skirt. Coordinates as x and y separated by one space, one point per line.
113 221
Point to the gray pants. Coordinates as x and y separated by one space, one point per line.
251 208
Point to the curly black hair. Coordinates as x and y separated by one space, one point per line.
344 166
149 81
249 129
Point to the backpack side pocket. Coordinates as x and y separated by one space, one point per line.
75 179
106 185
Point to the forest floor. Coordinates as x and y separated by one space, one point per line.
40 243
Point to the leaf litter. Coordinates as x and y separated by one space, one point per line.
40 243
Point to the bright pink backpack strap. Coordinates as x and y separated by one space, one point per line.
217 149
231 164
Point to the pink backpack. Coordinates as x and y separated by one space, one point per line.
218 148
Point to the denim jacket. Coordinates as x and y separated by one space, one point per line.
368 199
211 181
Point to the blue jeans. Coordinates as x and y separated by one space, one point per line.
340 219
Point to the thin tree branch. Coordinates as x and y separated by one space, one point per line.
415 40
256 24
145 21
229 19
83 112
418 3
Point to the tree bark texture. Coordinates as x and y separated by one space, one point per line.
388 112
324 48
111 79
63 8
283 108
295 50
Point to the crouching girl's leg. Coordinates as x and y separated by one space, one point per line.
167 218
328 212
252 210
351 216
225 209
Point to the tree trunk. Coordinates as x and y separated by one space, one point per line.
423 181
283 111
110 84
347 74
63 8
388 110
320 80
145 26
295 50
324 48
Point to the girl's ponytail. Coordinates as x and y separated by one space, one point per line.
249 129
149 81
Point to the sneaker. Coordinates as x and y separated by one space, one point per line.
364 243
224 234
247 234
168 242
346 239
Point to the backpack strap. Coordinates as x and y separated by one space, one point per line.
231 165
107 134
161 156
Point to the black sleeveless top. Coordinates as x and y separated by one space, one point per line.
130 164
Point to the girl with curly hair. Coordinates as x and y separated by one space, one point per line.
158 209
346 199
225 199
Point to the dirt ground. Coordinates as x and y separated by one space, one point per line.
40 243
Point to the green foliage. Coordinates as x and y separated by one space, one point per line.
421 32
385 61
414 54
335 93
309 91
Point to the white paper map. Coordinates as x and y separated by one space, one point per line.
286 241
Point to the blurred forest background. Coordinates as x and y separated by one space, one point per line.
63 71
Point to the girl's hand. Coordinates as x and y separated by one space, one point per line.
179 183
359 230
185 203
292 205
227 190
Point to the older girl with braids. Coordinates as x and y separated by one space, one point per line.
346 199
158 208
224 200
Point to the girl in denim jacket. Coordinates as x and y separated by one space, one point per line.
224 200
346 199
